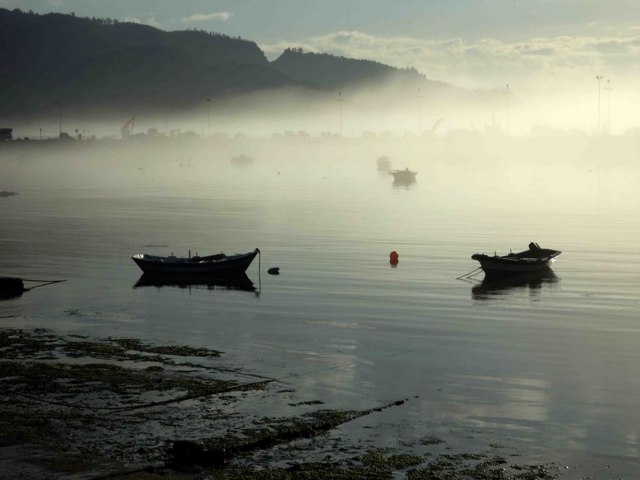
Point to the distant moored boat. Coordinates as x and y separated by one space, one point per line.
405 176
242 160
384 164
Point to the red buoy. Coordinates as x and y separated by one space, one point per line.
393 258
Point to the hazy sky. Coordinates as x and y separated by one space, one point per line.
473 43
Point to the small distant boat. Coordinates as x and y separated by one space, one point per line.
6 193
536 259
384 164
405 176
213 265
242 160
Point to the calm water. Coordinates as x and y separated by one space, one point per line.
549 368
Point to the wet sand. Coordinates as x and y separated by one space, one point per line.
79 407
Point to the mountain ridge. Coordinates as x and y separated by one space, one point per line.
105 65
337 71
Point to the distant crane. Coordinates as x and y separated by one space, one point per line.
436 124
127 128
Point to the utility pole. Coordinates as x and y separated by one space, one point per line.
208 116
340 100
59 118
599 78
419 111
507 92
608 89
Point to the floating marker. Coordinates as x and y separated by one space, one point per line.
393 257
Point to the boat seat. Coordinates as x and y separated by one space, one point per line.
217 256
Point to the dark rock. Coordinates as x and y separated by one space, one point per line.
187 453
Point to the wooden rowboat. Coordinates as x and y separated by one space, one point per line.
213 265
536 259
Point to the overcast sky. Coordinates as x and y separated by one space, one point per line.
473 43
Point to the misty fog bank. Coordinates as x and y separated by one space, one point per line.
388 110
451 160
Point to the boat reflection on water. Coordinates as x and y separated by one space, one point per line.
494 289
237 282
404 183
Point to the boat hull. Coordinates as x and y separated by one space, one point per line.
404 176
229 265
10 287
534 260
497 267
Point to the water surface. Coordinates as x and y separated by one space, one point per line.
547 367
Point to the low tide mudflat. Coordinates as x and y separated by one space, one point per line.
90 408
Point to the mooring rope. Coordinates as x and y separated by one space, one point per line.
471 274
46 282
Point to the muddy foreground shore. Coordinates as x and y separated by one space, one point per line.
78 407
